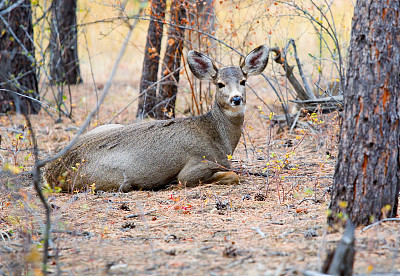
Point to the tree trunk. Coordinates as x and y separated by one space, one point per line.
367 175
172 61
202 17
17 61
148 96
64 62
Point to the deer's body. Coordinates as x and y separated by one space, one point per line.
153 154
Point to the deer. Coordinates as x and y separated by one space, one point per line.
151 155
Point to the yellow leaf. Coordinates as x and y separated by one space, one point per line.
33 255
13 169
271 115
388 207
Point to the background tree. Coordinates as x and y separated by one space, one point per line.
172 61
17 63
202 19
367 175
148 95
64 62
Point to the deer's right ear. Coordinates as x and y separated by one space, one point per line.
201 66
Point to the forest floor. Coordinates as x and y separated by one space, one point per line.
274 224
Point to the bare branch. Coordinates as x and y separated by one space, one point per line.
309 92
10 8
26 96
379 222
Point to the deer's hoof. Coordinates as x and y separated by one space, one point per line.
226 178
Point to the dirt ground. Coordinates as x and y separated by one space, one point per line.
273 223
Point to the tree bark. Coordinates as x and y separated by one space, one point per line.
64 61
367 174
17 60
148 96
172 61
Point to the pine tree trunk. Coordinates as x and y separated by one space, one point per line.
17 61
367 175
172 61
64 61
148 96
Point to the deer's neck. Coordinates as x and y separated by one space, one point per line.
229 125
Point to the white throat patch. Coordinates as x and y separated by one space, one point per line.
235 111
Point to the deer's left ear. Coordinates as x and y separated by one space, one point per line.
256 61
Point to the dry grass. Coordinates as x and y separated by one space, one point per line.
273 226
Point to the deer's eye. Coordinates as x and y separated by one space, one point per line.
243 82
221 85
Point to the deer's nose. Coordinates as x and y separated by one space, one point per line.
237 100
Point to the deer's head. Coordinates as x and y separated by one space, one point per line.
230 81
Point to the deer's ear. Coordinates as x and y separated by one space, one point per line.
256 61
201 66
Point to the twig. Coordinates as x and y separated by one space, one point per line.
173 236
74 233
305 199
310 94
314 273
379 222
38 189
10 8
258 230
140 214
31 98
329 95
238 262
295 121
253 173
5 236
258 97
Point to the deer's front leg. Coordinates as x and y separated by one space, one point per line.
201 172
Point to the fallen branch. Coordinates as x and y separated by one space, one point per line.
341 261
281 59
331 99
140 214
258 230
379 222
238 262
305 199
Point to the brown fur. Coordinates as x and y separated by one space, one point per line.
151 155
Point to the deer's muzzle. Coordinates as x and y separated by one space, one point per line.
237 100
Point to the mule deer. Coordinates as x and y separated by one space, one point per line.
151 155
